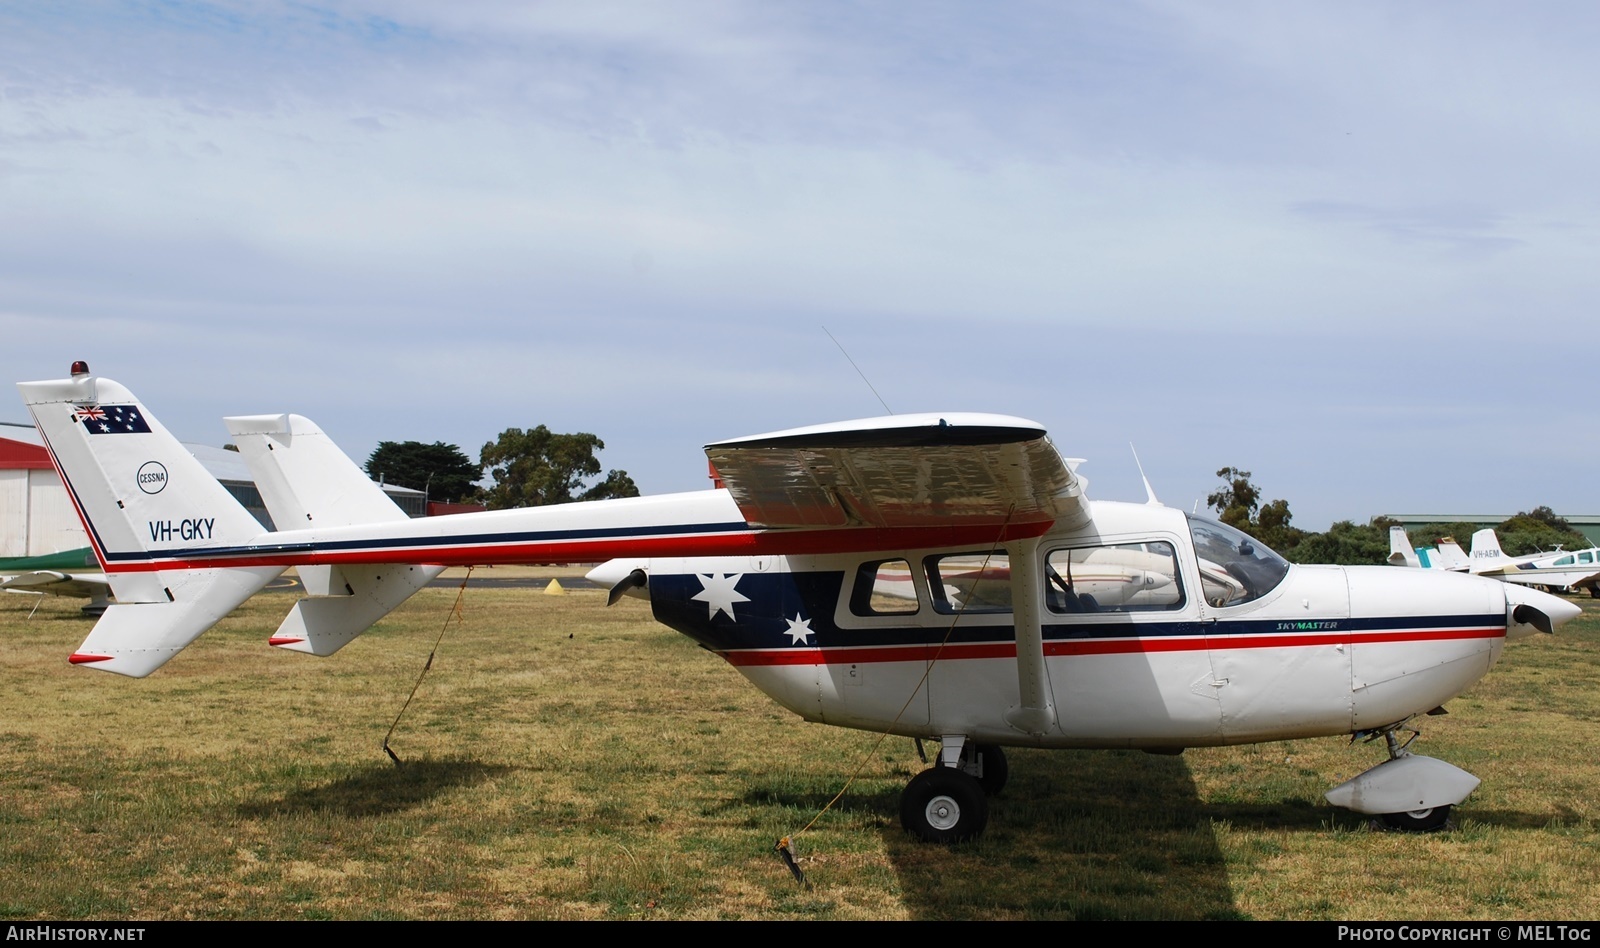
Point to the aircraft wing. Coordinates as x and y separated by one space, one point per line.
82 585
925 470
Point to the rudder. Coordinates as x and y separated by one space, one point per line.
306 482
151 510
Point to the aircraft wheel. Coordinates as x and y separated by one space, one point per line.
1418 821
944 805
995 768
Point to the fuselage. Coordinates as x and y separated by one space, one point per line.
1158 632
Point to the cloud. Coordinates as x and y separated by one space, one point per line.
1240 230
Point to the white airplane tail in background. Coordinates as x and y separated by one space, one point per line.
1486 552
1450 556
156 520
307 482
1400 551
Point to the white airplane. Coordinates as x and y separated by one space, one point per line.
91 586
1448 555
780 572
1561 569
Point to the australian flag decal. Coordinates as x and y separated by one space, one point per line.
111 419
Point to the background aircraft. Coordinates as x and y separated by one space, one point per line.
1560 569
91 586
1448 555
1204 636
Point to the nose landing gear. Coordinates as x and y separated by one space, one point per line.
1407 792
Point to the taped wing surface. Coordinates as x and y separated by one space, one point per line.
927 470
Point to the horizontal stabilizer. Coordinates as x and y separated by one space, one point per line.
321 625
135 639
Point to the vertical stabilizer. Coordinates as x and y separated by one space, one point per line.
1486 552
1400 551
305 479
307 482
152 512
1451 556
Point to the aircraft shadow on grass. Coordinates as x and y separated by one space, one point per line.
1078 834
1090 834
380 788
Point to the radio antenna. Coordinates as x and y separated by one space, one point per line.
860 373
1149 492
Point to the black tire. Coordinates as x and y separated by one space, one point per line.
995 768
944 805
1428 820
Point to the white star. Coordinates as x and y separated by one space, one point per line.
719 594
799 630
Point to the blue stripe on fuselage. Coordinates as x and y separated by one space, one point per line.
778 602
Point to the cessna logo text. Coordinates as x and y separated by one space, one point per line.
152 477
165 531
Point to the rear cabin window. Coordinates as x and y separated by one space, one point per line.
1124 577
970 583
884 588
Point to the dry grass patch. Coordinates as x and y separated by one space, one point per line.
567 761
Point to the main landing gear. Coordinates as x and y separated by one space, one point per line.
948 802
1407 792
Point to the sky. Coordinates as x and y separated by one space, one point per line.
1350 247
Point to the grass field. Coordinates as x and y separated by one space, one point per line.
567 761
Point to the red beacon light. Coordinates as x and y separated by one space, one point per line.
80 367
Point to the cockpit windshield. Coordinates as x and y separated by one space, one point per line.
1234 566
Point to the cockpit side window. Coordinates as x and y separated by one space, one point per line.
1125 577
884 588
1235 567
970 583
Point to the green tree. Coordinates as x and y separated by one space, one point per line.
538 467
1345 544
1238 501
1538 530
441 470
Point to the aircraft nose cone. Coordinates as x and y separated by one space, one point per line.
1529 610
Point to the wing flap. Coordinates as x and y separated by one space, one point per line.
902 471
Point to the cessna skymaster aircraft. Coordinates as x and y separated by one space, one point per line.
1037 618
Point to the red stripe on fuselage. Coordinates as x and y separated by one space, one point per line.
72 496
1177 643
753 543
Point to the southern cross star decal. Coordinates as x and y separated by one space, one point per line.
718 593
799 630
